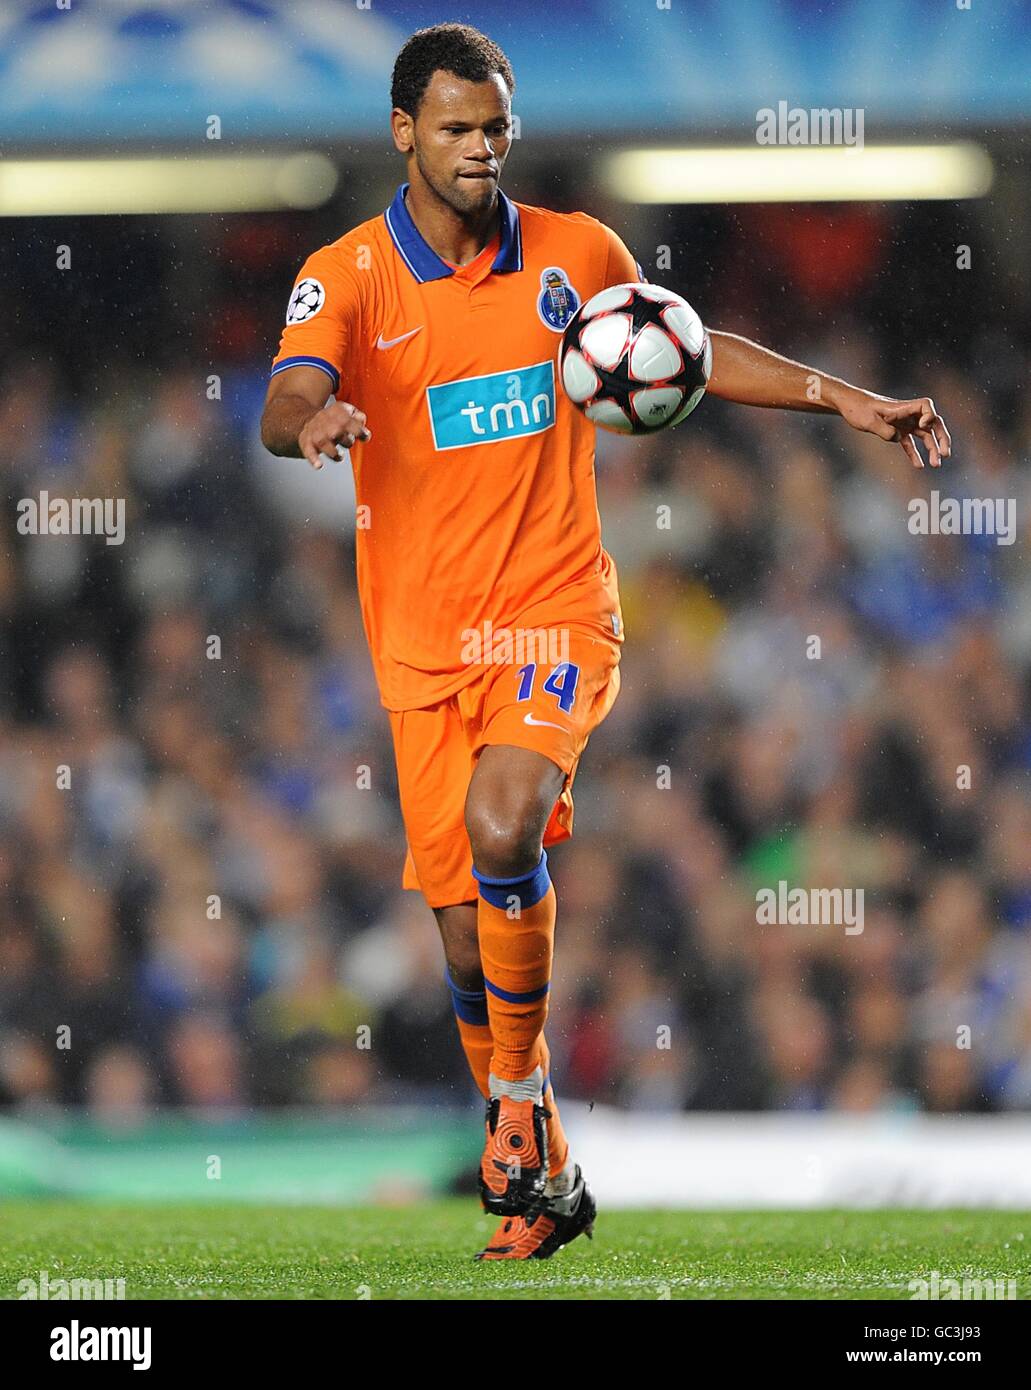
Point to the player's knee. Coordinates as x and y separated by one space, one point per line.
505 840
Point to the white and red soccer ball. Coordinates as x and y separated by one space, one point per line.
636 358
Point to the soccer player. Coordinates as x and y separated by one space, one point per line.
435 328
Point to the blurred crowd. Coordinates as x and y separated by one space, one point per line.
200 843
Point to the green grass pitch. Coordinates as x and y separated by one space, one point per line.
216 1251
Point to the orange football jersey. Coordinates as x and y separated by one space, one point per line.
476 493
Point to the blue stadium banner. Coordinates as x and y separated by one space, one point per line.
124 72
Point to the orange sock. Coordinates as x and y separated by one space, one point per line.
516 926
470 1007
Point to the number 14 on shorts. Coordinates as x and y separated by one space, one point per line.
561 683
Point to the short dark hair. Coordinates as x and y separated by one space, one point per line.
456 48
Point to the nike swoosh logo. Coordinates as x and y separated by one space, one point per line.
384 343
544 723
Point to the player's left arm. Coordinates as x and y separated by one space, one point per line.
743 371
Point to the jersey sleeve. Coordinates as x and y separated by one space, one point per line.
322 318
620 266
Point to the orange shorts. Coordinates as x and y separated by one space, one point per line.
551 705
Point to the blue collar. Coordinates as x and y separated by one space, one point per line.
423 261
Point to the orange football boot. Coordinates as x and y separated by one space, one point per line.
514 1166
554 1223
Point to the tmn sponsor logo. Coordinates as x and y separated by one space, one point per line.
820 125
964 516
938 1288
502 646
78 1343
72 516
44 1287
810 907
486 409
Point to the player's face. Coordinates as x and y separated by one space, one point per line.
461 139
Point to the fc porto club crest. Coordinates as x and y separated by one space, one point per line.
557 301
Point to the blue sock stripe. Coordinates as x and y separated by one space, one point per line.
528 888
470 1005
510 996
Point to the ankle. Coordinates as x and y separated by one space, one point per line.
530 1088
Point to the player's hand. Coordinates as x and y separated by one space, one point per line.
335 427
900 422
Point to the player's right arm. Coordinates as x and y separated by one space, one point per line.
322 325
297 421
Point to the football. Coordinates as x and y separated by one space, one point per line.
636 358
